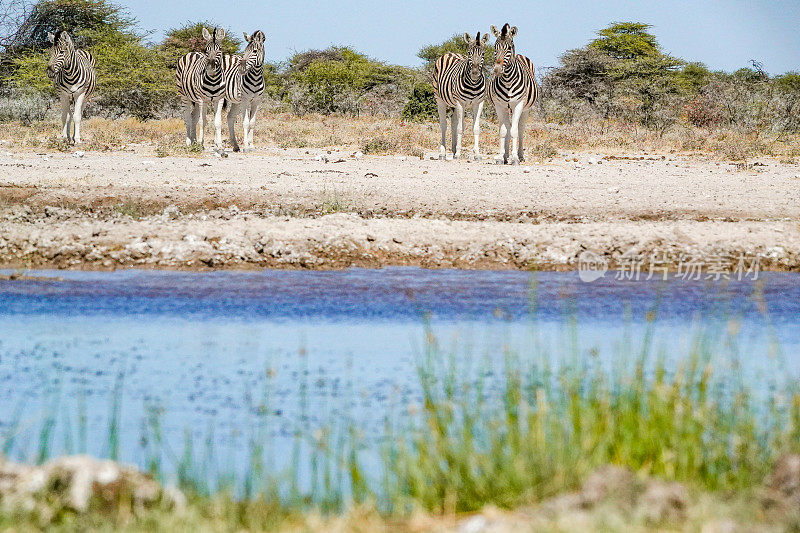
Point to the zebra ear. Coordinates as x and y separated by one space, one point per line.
219 35
495 31
467 38
485 38
207 34
513 31
51 38
247 37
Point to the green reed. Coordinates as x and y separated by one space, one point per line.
505 433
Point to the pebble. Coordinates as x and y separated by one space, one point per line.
80 153
613 190
526 170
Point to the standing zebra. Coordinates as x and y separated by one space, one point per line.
459 82
252 89
513 91
200 79
73 75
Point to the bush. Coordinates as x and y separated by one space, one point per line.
24 106
421 105
337 80
189 38
702 113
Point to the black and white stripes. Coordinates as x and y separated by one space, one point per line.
73 75
247 98
513 91
459 82
199 78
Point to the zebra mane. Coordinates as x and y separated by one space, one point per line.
59 34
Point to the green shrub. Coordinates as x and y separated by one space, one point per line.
335 80
421 104
189 38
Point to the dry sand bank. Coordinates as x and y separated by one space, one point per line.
290 209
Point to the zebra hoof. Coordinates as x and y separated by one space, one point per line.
514 161
236 149
499 160
442 157
477 157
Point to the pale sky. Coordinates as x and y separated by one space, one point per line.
724 34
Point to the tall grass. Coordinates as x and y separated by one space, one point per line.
505 434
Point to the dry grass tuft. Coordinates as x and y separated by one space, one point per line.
375 135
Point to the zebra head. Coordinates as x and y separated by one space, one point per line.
253 56
60 54
504 51
213 50
475 55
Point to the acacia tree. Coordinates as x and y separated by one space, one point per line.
13 14
131 77
189 38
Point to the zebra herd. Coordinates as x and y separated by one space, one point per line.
459 82
211 76
238 83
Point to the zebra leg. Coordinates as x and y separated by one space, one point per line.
233 114
503 118
515 139
246 124
458 130
253 111
65 117
522 121
442 108
477 111
189 121
77 115
201 121
217 107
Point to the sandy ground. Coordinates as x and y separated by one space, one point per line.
314 209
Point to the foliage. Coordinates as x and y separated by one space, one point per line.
132 78
421 104
24 106
585 73
189 38
456 45
626 40
336 79
87 17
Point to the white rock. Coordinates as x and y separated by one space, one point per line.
613 190
592 160
80 153
358 155
526 170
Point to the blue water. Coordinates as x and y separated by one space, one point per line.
217 349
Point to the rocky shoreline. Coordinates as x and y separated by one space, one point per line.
298 210
233 239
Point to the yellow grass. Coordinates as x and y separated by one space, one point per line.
376 135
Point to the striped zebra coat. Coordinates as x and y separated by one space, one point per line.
247 90
200 79
73 75
513 91
460 82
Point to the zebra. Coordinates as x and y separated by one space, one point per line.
459 82
199 77
73 75
513 91
252 89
